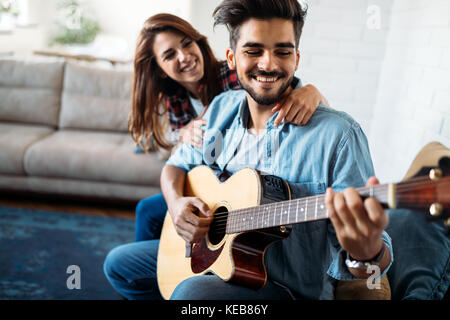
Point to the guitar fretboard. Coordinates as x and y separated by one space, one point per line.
291 211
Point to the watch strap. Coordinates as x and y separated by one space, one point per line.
356 264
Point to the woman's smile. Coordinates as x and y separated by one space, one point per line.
189 67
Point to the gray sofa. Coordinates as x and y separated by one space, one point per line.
63 131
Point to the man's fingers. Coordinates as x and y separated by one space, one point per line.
201 206
191 234
200 214
372 181
329 203
196 221
376 213
344 214
357 210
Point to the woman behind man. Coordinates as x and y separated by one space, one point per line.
176 76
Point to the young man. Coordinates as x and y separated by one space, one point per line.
331 151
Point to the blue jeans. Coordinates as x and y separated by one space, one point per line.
421 268
131 270
150 214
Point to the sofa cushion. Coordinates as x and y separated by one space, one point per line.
93 156
14 141
30 90
82 189
95 98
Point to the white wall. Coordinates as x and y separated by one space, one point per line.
202 20
413 100
342 56
23 40
125 18
119 18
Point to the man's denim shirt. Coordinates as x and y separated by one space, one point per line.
330 151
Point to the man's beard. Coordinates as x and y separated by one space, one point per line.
265 100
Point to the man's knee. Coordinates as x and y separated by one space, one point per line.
421 262
195 288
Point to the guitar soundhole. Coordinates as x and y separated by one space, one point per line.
218 225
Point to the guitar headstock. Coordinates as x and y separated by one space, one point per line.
428 191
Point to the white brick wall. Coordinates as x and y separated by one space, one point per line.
413 100
342 56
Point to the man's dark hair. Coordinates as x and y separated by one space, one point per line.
233 13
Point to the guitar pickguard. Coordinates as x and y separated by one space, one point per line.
202 257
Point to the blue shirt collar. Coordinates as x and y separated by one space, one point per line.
244 114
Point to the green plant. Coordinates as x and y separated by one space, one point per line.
9 6
85 34
75 27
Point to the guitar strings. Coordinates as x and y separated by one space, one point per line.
406 186
221 219
272 207
256 224
259 218
302 204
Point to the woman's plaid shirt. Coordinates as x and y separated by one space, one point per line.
180 110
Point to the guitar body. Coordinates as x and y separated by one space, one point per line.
238 257
251 211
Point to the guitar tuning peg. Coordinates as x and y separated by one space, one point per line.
447 226
447 222
436 209
435 174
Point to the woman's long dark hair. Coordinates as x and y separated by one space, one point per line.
149 90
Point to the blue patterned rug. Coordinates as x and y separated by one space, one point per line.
37 247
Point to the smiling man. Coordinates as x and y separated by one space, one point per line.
331 151
265 59
265 72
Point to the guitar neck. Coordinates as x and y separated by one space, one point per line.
298 210
419 193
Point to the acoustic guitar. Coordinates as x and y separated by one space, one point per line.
251 211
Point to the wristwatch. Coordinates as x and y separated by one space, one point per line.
355 264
